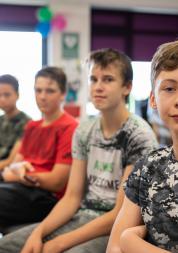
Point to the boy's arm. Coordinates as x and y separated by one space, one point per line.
100 226
12 155
54 180
129 216
135 236
64 209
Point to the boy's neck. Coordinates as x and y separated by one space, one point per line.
48 119
12 113
175 146
112 122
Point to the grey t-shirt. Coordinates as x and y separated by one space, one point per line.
107 158
153 185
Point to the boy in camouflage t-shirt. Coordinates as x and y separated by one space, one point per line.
12 122
104 151
152 188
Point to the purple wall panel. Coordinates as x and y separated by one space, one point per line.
137 34
107 42
155 22
145 46
108 19
18 15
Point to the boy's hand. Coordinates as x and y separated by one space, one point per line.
52 246
17 172
30 180
33 244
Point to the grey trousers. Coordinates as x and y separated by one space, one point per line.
13 242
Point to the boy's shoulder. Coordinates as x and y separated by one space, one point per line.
136 121
138 129
23 115
155 161
88 124
2 117
159 155
66 120
161 152
33 123
88 129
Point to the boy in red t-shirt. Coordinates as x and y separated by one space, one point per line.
34 182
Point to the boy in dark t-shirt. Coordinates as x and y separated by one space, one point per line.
12 122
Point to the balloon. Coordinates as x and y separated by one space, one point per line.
44 14
43 28
58 22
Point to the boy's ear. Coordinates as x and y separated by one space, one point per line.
152 101
63 96
128 88
17 95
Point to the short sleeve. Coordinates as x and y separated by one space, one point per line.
28 125
79 146
140 145
20 125
64 148
132 185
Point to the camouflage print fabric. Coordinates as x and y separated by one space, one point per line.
153 185
10 131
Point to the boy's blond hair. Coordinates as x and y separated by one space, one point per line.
165 58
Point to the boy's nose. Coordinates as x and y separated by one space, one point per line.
42 94
176 100
99 85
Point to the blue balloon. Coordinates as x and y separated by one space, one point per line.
43 28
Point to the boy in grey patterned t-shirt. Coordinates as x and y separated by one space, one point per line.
108 158
104 151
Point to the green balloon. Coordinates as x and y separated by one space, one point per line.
44 14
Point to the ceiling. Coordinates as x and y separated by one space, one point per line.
163 6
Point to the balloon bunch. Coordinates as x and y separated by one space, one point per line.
48 21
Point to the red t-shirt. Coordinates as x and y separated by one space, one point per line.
45 146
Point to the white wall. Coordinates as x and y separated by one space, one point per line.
78 21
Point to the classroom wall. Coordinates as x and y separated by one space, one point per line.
77 14
78 22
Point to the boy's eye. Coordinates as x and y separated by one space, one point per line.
169 89
37 90
6 95
50 91
92 79
108 79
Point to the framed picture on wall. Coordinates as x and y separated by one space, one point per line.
70 45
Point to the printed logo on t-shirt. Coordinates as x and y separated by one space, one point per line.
104 174
103 166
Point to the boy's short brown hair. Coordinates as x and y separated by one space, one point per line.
11 80
56 74
165 58
106 56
